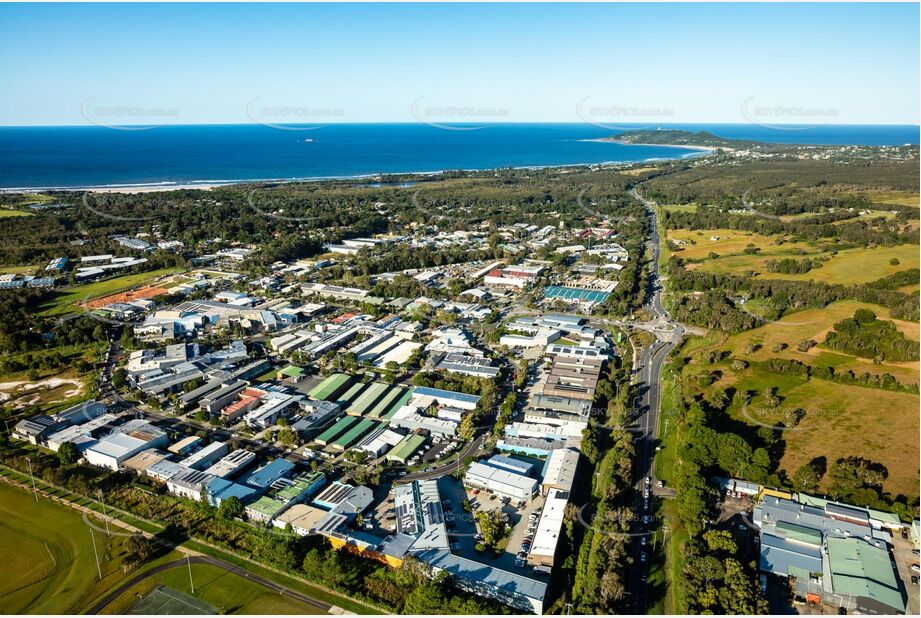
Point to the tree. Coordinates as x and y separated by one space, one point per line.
231 508
288 437
68 453
806 478
138 550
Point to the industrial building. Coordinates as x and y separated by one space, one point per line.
205 457
500 481
834 554
549 529
560 470
124 442
232 463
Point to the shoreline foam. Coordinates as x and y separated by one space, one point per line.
207 185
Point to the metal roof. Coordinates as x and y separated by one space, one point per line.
779 555
859 569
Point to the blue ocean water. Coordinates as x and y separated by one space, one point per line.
67 157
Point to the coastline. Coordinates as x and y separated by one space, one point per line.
153 187
611 140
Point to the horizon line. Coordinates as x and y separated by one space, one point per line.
640 125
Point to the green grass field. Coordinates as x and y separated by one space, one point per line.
229 593
815 324
67 300
841 420
846 267
6 212
48 565
903 198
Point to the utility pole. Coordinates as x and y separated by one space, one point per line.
96 553
105 515
32 476
189 563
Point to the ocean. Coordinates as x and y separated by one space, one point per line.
97 156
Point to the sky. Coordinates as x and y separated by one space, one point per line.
619 63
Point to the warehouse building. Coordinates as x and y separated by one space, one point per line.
549 529
500 482
232 463
125 442
406 448
207 456
560 470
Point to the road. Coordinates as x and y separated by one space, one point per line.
646 378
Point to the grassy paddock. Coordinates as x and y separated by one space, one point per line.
815 324
846 267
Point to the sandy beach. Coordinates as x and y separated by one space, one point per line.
611 140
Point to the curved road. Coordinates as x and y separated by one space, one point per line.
181 562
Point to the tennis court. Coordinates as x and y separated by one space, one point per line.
164 600
575 294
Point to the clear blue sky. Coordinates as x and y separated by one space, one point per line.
210 63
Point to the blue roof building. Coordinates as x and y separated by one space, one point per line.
266 475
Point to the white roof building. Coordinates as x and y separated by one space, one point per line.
126 441
561 470
500 482
547 535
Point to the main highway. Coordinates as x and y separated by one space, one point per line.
646 379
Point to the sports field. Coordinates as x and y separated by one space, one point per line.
214 586
164 601
68 300
48 564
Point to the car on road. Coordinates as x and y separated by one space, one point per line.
643 557
455 546
642 540
645 519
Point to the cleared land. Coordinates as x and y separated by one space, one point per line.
902 198
846 267
226 591
6 212
815 324
48 565
68 300
841 420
